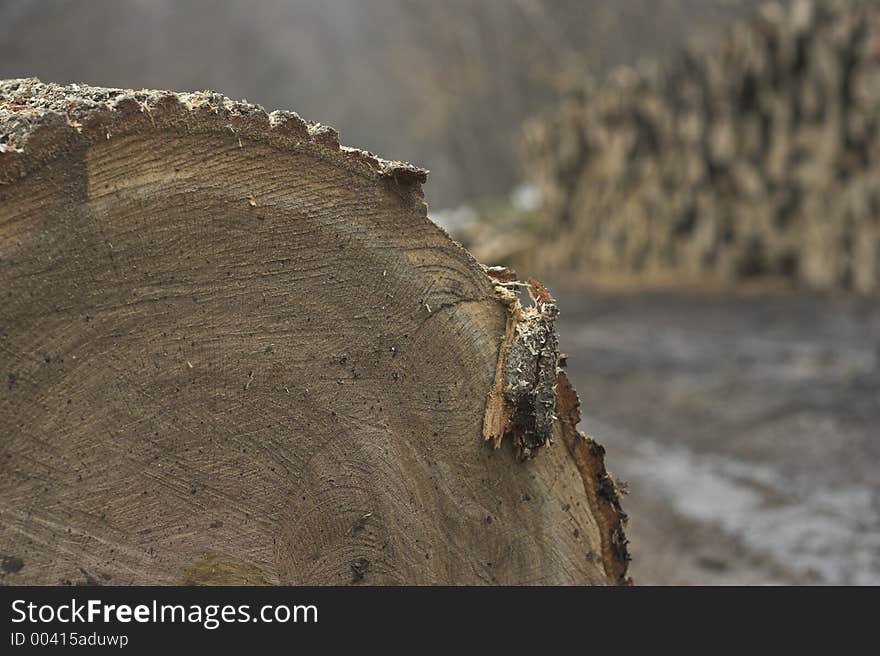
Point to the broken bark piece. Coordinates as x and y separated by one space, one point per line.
600 487
522 400
227 341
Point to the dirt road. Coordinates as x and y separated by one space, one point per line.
748 429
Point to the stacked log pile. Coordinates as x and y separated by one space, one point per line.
757 159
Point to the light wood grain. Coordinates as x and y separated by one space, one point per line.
234 352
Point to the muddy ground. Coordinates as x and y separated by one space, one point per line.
747 428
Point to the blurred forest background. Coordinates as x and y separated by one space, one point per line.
697 179
443 84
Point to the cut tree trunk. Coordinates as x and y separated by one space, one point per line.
235 352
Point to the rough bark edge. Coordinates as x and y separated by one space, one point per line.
522 400
532 408
602 492
40 121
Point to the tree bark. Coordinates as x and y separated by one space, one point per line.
236 352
